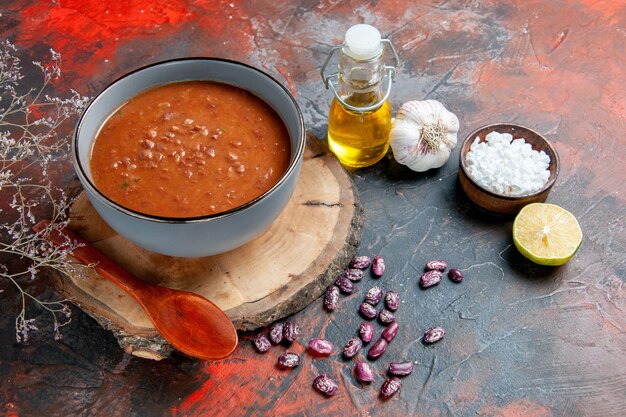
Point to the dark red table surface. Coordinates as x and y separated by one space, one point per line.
522 340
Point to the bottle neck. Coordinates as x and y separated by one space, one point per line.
361 79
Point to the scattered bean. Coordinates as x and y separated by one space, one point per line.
290 331
391 331
320 347
363 372
374 295
345 285
367 310
331 297
366 331
353 274
430 278
401 368
276 333
324 384
392 300
377 349
390 387
289 360
434 334
378 266
360 262
262 343
386 317
455 275
436 266
352 347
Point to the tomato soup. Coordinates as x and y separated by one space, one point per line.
190 149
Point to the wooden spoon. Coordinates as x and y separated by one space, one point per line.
188 321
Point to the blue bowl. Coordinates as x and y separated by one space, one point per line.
203 235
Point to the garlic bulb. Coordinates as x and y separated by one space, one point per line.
423 134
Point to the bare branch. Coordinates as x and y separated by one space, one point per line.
29 143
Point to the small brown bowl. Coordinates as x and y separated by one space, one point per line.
500 203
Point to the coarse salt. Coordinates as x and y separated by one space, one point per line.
507 166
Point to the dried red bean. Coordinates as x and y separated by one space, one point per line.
363 372
353 274
455 275
374 295
290 331
331 297
321 347
377 349
367 310
436 265
360 262
392 300
430 278
386 317
401 368
345 285
289 360
262 343
378 266
390 387
434 334
352 347
325 385
391 331
276 333
366 331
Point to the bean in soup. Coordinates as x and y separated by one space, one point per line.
190 149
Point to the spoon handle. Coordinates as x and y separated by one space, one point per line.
89 255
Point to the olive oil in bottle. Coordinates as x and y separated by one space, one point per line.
359 139
359 120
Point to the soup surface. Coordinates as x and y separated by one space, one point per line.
190 149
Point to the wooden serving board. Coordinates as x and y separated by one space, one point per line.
279 273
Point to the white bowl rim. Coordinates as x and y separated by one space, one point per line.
293 165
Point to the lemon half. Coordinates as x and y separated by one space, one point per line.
546 234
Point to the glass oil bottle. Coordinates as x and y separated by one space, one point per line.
359 120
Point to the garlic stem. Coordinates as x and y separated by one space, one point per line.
433 134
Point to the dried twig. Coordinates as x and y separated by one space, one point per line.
29 143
